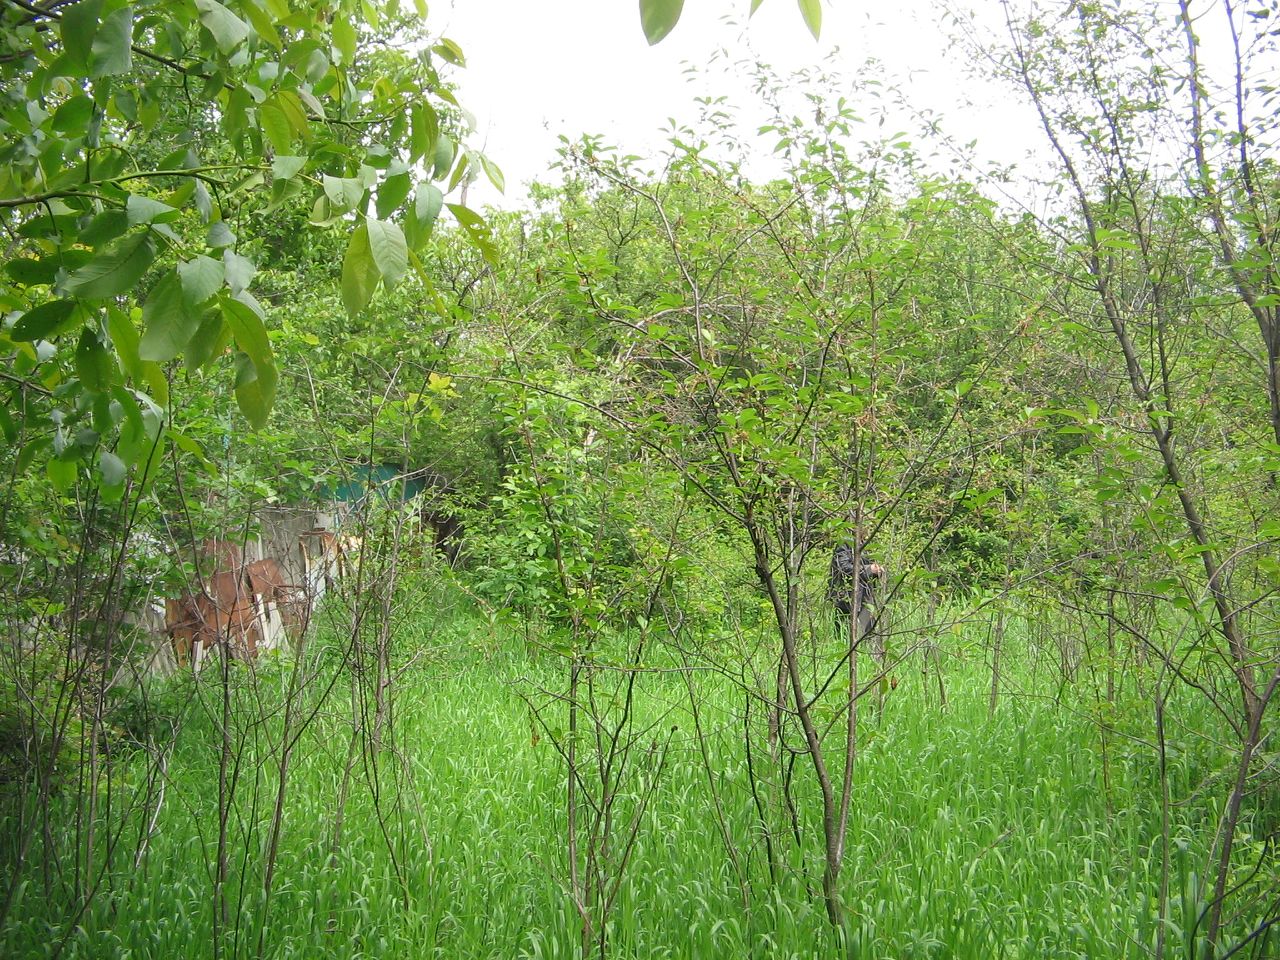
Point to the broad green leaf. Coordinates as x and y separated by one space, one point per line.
427 203
168 323
460 170
250 332
659 17
359 272
451 52
755 5
238 270
315 109
105 227
493 172
113 469
262 23
116 272
286 167
345 193
186 444
146 210
112 55
477 231
294 112
424 126
811 10
124 337
255 391
74 115
284 119
141 430
392 193
77 27
61 473
443 157
46 271
157 382
94 364
276 126
201 279
344 39
210 340
220 235
45 321
389 250
228 30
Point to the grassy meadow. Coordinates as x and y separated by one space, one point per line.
1033 832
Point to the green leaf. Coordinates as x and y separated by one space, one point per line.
359 272
427 203
168 323
74 115
145 210
811 10
425 131
255 391
450 52
190 446
61 473
112 55
114 273
389 250
659 17
392 193
755 5
255 367
238 270
228 30
124 337
493 172
78 25
345 193
275 124
31 272
344 39
94 364
294 112
250 332
113 469
138 433
201 279
7 426
477 231
210 340
262 24
443 158
105 227
220 235
285 167
45 321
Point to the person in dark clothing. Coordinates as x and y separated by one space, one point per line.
840 587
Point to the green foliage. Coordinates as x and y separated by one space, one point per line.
141 141
659 17
979 835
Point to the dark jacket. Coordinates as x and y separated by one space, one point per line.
840 580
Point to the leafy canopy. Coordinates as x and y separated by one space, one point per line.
134 140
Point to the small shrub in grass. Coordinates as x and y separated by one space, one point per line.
42 733
152 710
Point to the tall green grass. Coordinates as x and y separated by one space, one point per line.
970 835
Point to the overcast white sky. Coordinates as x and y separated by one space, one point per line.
539 68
